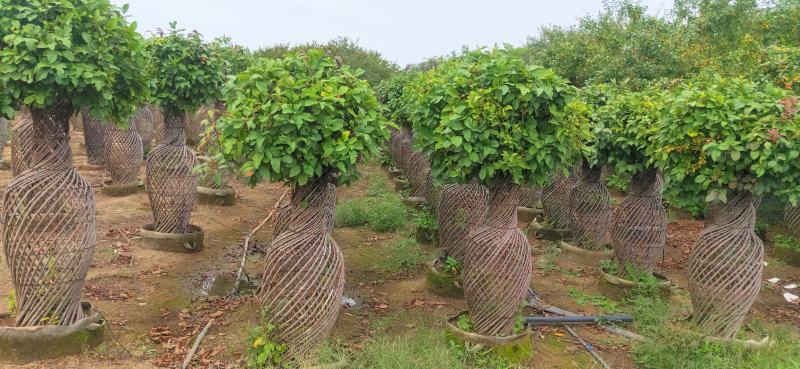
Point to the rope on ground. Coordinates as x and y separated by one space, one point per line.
247 241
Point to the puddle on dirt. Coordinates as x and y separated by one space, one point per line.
215 283
352 302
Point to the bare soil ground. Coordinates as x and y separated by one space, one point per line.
156 303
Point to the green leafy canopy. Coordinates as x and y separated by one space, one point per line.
718 134
186 72
80 52
488 114
297 118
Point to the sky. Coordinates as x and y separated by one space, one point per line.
406 31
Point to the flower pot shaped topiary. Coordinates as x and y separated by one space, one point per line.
730 138
95 59
186 76
487 116
124 154
306 121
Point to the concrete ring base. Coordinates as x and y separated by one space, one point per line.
171 242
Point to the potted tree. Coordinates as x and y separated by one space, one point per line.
186 75
639 224
727 137
91 57
305 121
503 124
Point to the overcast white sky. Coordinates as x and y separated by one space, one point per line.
405 31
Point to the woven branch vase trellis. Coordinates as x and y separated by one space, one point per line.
171 181
791 216
304 271
555 200
725 268
498 268
49 228
460 210
529 196
124 154
22 143
590 210
639 224
145 125
401 148
93 137
5 128
419 174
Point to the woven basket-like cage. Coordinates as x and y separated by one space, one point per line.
304 272
145 125
555 200
497 273
725 268
48 227
529 196
400 149
791 216
460 209
639 224
590 210
124 153
21 143
171 180
419 174
159 125
94 138
5 128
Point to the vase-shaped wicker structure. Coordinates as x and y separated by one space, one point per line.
529 196
144 122
400 149
590 210
497 273
93 137
22 143
5 131
791 216
171 181
124 153
49 228
419 174
555 201
159 125
460 209
304 271
725 268
639 224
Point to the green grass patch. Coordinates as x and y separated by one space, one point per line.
787 242
352 212
383 213
601 302
403 255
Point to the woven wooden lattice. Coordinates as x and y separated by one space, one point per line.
529 196
725 268
555 201
48 226
791 216
124 153
93 137
304 272
171 181
419 174
5 128
145 125
401 148
460 210
639 224
21 143
497 273
590 210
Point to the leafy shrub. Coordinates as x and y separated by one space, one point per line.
262 352
71 53
426 224
452 266
297 119
403 255
619 182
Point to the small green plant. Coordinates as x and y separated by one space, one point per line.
628 271
262 352
11 302
761 229
465 323
582 298
451 266
403 255
617 181
787 242
352 212
427 226
376 185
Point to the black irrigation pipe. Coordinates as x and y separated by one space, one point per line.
580 319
